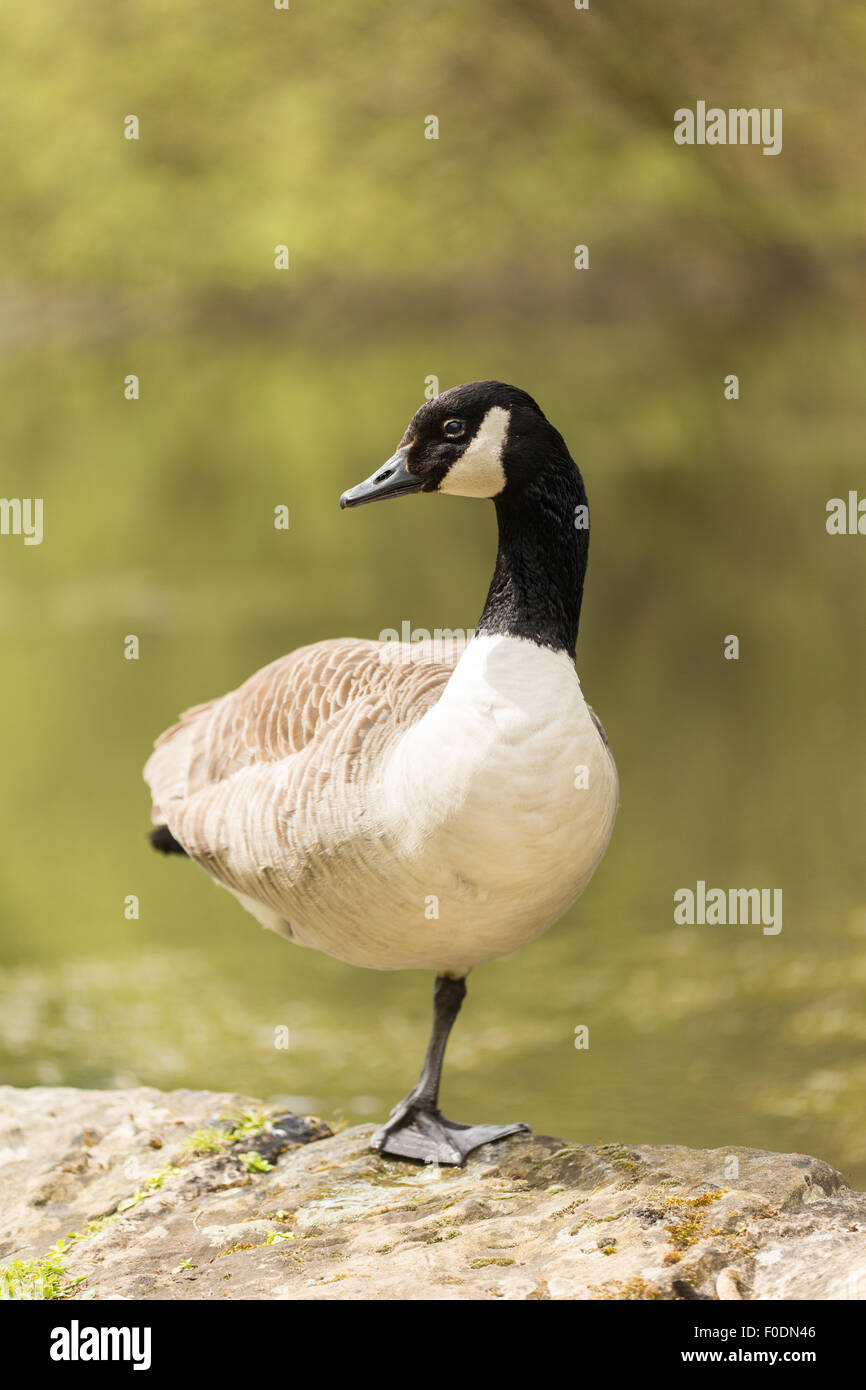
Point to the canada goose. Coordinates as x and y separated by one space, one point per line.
418 805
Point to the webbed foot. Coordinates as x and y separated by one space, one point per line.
417 1132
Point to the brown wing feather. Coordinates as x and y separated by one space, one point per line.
345 687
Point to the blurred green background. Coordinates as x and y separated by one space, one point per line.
409 258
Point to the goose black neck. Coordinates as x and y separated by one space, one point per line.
537 585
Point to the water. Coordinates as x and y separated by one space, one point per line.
708 519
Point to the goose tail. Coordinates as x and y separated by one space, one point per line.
163 840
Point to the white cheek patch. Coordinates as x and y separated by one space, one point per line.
479 472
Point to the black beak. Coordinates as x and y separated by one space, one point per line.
392 479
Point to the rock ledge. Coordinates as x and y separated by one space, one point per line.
197 1195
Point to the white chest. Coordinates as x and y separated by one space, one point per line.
500 802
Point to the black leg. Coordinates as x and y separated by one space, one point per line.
416 1128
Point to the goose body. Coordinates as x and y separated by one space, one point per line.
352 797
418 805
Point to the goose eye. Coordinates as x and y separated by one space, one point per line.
453 428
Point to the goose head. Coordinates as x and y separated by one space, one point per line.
483 439
486 439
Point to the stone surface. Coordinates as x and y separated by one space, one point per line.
528 1218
